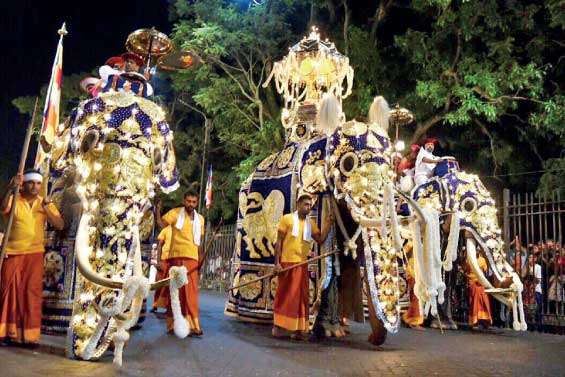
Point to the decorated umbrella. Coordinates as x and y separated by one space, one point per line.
312 67
149 43
178 60
399 116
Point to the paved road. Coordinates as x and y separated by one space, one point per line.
230 348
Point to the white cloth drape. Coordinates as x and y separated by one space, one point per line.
196 226
307 235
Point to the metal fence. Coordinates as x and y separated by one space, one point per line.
215 273
537 222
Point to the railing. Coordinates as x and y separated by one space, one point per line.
537 222
215 272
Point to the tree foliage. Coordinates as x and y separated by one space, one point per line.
483 76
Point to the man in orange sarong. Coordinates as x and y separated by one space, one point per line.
160 300
296 234
413 316
187 237
21 284
479 302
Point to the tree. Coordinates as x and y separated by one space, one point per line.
483 76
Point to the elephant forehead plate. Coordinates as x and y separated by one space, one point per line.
354 128
112 153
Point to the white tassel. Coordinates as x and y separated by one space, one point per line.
330 115
120 337
429 287
452 242
179 278
379 113
389 191
136 290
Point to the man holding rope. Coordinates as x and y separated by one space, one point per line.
21 284
296 233
187 238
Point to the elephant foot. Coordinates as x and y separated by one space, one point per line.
447 324
335 333
378 336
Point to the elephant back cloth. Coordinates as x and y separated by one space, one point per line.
268 194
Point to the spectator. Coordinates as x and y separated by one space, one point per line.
555 283
529 294
517 255
539 294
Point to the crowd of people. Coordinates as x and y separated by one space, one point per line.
541 266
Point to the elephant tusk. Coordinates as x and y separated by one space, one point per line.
83 250
413 204
82 257
473 262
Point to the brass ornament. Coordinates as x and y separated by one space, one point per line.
149 42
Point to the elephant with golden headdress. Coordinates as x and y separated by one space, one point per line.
346 166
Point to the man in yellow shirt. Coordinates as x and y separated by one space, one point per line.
296 233
187 238
21 282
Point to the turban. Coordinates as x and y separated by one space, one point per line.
131 56
114 60
431 140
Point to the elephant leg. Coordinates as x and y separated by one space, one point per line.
447 307
327 321
445 314
378 334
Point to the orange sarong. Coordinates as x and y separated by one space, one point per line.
188 294
290 309
413 317
479 304
159 299
21 296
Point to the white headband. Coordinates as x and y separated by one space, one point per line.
33 176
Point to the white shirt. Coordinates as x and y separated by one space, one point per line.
424 169
106 71
537 275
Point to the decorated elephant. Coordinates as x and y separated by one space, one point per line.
347 167
463 212
115 149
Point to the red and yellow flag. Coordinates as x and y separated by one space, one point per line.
52 104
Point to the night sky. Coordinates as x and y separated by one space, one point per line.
97 30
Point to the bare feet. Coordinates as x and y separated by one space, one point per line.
417 327
339 333
277 332
299 335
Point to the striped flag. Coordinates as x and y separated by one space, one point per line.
52 102
209 188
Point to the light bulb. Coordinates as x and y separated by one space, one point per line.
399 146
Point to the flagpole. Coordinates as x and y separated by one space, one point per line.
16 193
40 151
